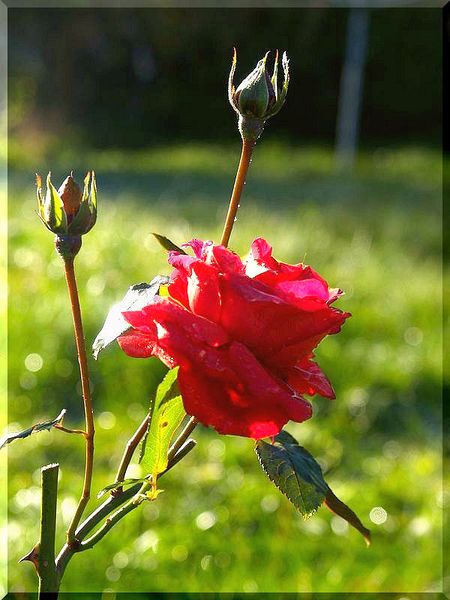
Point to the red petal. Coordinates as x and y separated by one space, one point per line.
178 287
198 246
307 378
203 291
137 344
267 324
307 294
223 259
181 261
305 334
142 345
165 311
255 404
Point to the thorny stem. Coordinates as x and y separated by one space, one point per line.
87 401
110 505
138 497
244 163
116 517
48 578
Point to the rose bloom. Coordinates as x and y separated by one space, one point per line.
242 334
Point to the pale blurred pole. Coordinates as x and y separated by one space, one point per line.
351 87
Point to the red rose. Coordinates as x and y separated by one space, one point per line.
242 334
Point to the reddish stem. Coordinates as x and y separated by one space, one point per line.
244 163
87 400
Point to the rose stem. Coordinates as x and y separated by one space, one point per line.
87 401
129 450
105 509
244 163
137 437
48 578
184 434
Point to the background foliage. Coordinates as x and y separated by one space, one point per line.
159 74
220 525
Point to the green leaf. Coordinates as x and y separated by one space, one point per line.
118 484
168 244
294 471
45 425
137 296
333 503
299 477
166 415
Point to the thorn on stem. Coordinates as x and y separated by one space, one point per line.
32 556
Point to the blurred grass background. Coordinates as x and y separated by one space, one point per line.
375 231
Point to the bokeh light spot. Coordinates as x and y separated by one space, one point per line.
180 553
413 336
270 503
339 526
106 420
112 573
206 561
205 520
34 362
121 560
378 515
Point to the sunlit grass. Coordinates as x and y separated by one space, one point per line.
220 525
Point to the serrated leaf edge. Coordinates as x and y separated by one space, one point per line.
305 515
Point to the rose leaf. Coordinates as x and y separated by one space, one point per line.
137 296
166 415
299 477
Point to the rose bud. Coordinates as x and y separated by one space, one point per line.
71 195
68 211
258 97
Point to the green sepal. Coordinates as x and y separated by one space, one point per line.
93 194
167 244
274 79
231 88
84 220
53 212
137 296
281 97
86 216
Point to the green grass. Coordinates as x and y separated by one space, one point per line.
377 235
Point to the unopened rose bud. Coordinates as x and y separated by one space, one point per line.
68 212
71 195
258 97
255 95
